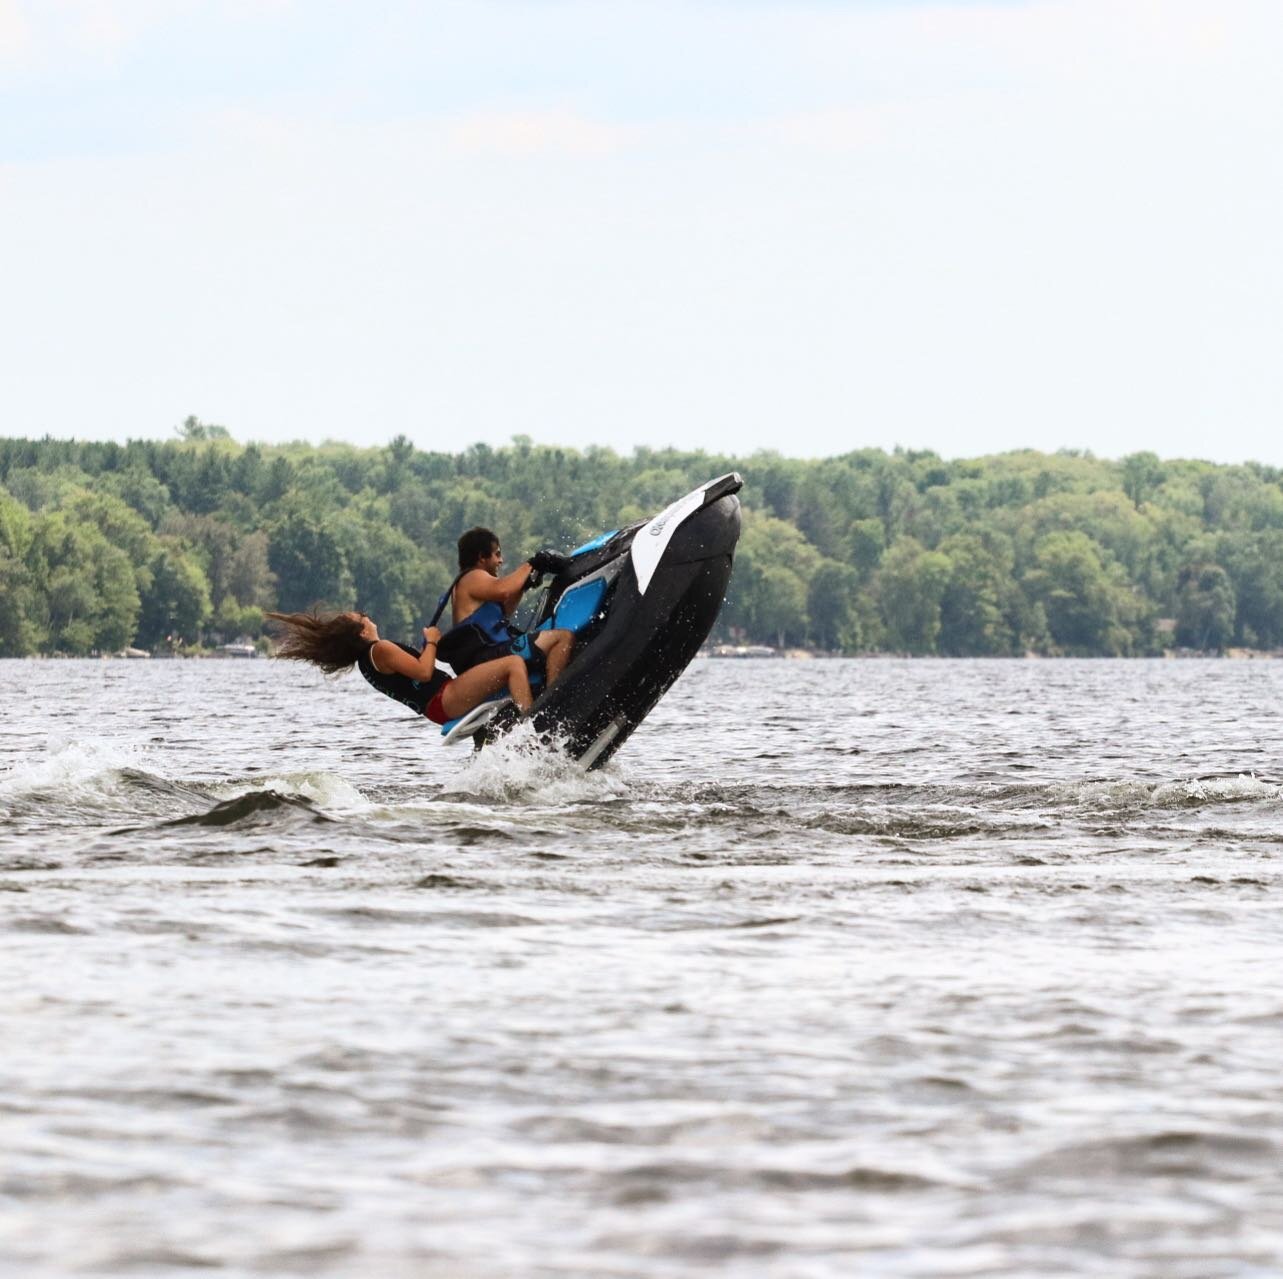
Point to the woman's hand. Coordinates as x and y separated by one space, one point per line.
431 635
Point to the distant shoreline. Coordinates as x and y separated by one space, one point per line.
189 543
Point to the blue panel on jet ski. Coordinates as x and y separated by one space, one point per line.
595 543
576 607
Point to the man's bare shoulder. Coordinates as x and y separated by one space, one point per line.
474 588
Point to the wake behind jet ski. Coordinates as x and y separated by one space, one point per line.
640 601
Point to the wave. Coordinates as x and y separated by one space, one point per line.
52 925
252 808
77 780
867 802
326 791
1197 792
383 915
86 782
1167 1153
494 795
69 765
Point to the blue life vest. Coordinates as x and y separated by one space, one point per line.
484 635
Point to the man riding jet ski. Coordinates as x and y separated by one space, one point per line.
481 602
638 602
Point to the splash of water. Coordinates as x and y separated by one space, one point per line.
74 768
521 767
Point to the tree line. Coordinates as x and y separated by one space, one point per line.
189 541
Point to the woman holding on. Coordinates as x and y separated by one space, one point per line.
338 641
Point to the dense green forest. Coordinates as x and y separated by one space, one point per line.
186 542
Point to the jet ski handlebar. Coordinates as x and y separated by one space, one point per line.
546 561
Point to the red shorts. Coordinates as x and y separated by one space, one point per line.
436 712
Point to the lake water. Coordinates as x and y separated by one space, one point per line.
869 968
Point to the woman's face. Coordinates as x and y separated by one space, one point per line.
369 631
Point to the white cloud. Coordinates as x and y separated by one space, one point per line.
15 32
531 132
60 37
837 129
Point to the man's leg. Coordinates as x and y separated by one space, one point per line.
557 647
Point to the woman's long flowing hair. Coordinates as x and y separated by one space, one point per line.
331 641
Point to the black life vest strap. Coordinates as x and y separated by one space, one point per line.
445 598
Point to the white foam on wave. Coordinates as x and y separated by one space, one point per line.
328 791
1216 790
520 768
1189 793
74 768
80 771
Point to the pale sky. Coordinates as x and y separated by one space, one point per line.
730 224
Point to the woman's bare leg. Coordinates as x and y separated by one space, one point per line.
473 687
557 647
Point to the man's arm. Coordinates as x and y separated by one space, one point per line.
478 587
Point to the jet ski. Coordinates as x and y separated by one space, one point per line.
640 601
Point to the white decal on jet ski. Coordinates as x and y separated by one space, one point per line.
651 542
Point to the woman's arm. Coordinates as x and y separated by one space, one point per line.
392 659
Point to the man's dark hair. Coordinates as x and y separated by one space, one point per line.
475 543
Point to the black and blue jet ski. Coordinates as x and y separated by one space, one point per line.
640 602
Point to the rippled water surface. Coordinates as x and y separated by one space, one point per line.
841 968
